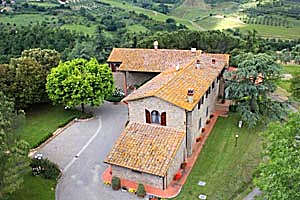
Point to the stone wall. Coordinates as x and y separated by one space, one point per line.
119 78
153 180
178 159
194 125
175 116
137 78
144 178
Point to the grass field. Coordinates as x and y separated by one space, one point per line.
26 19
35 187
217 23
43 120
137 28
227 169
44 4
153 14
80 28
274 31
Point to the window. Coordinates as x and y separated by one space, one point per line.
213 85
206 94
200 124
207 112
155 117
209 90
199 104
202 100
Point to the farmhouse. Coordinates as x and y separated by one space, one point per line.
167 113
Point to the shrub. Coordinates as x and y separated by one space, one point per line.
45 168
211 116
116 96
141 192
233 108
203 130
207 122
115 183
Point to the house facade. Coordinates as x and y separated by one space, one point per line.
167 113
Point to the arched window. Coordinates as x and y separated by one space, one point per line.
155 117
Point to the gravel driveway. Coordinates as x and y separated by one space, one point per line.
80 150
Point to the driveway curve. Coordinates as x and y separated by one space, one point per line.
80 150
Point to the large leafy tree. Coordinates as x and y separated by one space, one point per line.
250 86
279 174
24 78
27 81
13 153
295 86
79 81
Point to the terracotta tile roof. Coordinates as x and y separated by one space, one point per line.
146 148
172 85
150 60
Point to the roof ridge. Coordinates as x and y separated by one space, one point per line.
171 79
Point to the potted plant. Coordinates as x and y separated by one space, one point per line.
211 116
203 130
207 122
141 192
115 183
183 165
177 176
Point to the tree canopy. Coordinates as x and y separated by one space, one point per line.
295 86
13 153
24 78
80 82
250 86
279 174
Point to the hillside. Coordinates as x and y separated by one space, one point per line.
271 18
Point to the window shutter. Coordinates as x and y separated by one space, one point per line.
147 116
163 119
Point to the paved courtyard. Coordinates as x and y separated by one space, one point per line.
80 150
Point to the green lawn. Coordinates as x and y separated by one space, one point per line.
227 169
35 188
290 69
43 120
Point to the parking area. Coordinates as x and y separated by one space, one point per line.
80 150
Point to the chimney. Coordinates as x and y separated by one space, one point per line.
190 95
177 67
198 64
213 60
193 50
155 44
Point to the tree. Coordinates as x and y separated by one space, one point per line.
250 86
27 84
79 82
279 173
13 153
295 86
